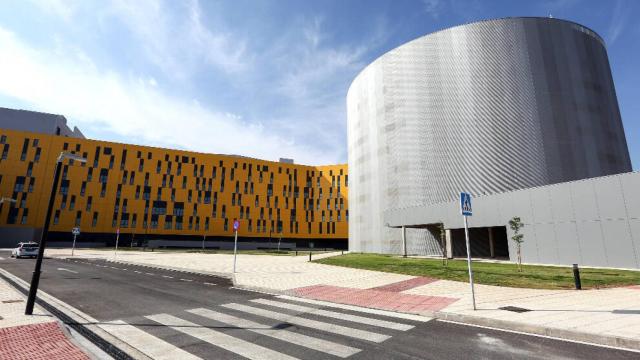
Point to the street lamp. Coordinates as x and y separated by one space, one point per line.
33 289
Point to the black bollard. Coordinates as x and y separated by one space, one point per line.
309 255
576 277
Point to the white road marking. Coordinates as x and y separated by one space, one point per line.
167 276
412 317
136 271
114 268
71 271
313 324
227 342
148 344
208 283
149 274
336 315
325 346
1 258
186 280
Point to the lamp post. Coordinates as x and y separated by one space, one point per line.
33 289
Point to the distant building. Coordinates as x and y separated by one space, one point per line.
24 120
163 197
286 161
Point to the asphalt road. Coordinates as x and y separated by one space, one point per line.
176 315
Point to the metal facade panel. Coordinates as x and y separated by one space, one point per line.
486 107
608 193
592 247
618 242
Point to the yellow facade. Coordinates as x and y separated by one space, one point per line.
202 193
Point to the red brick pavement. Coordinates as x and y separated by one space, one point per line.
373 298
405 285
44 341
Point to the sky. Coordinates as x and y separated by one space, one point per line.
265 79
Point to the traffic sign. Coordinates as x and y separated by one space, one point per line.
236 225
465 204
75 231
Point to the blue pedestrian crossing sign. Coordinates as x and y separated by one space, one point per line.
465 204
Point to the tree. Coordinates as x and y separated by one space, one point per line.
516 224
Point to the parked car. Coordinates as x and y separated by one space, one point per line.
28 249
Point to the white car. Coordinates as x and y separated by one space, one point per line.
29 249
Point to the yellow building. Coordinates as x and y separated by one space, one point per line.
175 196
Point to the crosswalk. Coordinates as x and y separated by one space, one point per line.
279 325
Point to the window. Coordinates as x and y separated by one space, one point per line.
103 190
25 214
36 158
72 204
19 186
83 188
132 177
56 217
94 221
25 147
3 139
89 174
124 221
36 142
89 203
32 183
78 218
134 220
5 152
104 174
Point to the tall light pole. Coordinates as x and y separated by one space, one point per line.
35 280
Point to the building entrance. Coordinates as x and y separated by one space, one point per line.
486 242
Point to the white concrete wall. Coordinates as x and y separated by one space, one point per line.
593 222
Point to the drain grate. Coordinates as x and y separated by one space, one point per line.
514 309
11 301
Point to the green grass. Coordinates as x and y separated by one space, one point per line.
502 274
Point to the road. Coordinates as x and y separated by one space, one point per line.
173 315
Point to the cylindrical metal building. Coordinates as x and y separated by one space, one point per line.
484 107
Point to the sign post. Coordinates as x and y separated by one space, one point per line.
466 210
115 255
236 226
75 231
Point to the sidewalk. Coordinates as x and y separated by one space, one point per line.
38 336
606 316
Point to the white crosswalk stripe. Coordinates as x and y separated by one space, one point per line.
325 346
336 315
412 317
319 325
146 343
227 342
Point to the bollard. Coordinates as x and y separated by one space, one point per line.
576 277
342 252
309 255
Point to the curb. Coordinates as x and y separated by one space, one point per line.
79 322
572 335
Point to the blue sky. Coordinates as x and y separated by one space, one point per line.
258 78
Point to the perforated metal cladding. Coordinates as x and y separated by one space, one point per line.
485 107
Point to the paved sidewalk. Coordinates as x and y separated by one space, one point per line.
606 316
38 336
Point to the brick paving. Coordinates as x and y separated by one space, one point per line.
37 341
377 299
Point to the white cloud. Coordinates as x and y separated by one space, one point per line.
432 7
175 39
618 21
133 107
